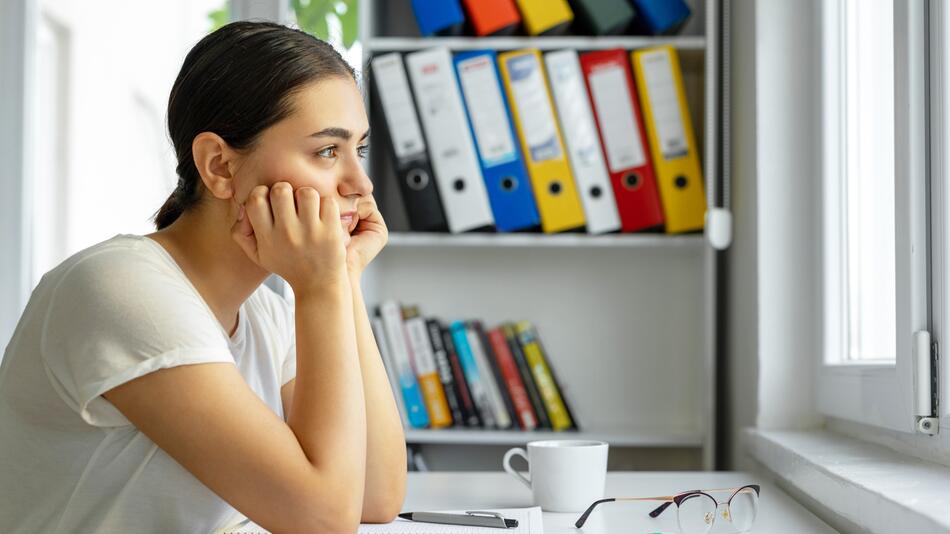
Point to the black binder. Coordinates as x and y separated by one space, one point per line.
417 184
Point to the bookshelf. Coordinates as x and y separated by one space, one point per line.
628 320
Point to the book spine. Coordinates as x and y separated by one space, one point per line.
427 373
550 393
392 374
509 371
469 411
399 348
472 374
557 383
445 370
526 377
480 349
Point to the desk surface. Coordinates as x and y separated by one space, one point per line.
778 513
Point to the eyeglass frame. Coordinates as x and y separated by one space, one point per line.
670 499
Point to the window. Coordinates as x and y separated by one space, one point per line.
874 209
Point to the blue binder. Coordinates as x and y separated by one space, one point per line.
489 118
439 17
659 16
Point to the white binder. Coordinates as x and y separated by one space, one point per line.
451 148
583 145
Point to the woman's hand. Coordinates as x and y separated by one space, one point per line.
368 238
302 243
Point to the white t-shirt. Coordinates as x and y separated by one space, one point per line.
69 460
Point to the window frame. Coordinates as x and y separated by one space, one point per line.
876 393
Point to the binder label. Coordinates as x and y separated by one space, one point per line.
398 107
614 106
572 104
534 110
664 102
487 110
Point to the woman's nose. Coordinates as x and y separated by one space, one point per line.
356 181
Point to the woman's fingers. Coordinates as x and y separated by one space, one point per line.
282 204
330 211
308 205
243 234
258 210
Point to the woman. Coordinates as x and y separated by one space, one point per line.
154 384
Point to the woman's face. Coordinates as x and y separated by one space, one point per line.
321 144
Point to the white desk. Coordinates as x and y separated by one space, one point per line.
778 513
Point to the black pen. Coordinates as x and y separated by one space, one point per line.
473 519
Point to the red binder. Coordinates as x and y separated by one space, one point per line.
616 107
493 17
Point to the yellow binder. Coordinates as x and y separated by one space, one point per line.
541 143
672 142
545 16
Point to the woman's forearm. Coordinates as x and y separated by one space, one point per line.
385 441
328 415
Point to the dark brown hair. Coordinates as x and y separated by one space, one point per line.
236 82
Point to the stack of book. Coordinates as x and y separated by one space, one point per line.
599 141
461 374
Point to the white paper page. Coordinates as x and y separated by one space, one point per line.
487 109
664 102
614 107
529 522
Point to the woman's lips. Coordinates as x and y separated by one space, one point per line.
348 220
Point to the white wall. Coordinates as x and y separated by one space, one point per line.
17 19
772 281
122 60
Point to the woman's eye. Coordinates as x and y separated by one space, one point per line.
362 151
328 152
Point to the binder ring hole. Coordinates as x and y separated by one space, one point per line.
417 179
554 188
596 191
631 181
680 182
459 184
509 183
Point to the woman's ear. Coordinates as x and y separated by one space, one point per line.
213 158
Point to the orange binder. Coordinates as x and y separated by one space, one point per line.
493 17
672 142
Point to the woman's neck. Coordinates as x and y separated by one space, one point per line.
200 242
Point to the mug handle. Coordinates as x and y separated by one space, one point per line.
506 463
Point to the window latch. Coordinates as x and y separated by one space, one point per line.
925 383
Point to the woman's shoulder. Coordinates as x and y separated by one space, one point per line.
123 263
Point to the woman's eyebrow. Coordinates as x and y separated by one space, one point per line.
336 131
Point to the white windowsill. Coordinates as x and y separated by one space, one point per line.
860 484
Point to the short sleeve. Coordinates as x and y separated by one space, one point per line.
119 314
284 317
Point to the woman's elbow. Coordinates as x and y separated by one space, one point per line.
385 507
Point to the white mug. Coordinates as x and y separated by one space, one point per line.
563 475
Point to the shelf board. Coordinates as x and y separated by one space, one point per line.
423 239
616 438
407 44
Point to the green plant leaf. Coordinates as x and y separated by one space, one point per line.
349 23
219 17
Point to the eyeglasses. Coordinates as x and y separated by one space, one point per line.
696 510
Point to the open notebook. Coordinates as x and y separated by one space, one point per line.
529 522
